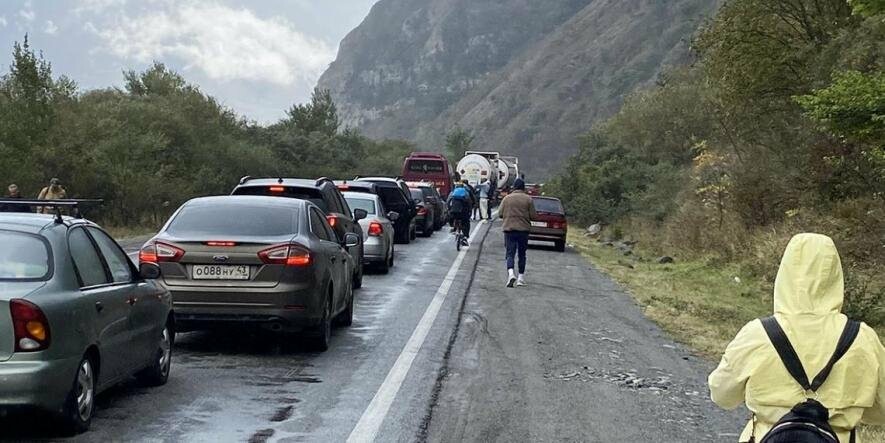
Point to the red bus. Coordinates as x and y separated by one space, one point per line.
429 167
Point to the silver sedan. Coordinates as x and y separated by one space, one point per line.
378 231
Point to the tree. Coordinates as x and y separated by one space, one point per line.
320 115
868 7
458 142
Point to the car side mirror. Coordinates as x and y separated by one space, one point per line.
351 240
149 271
393 215
359 214
417 201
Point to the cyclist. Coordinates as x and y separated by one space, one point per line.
460 208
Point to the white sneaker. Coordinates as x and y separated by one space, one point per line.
520 281
511 279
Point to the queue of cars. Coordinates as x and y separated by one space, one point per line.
281 254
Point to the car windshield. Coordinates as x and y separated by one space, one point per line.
548 205
361 203
227 220
312 195
23 257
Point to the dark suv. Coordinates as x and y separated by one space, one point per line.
323 193
396 197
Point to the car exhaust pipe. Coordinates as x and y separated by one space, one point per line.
276 327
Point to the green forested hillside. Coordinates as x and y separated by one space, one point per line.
158 141
777 128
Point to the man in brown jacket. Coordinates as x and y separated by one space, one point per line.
518 211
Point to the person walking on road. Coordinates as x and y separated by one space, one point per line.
518 211
52 192
768 364
13 193
483 189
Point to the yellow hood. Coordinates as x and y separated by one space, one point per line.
809 280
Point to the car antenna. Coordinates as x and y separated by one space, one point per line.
280 180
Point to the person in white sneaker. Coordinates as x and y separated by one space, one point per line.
518 211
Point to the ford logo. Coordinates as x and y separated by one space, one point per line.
221 258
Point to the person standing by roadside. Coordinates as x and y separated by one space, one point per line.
13 193
768 364
483 189
52 192
518 211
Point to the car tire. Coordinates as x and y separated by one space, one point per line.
560 245
157 374
358 277
384 266
345 318
80 404
413 234
323 336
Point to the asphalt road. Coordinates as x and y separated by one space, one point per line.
570 357
559 360
242 386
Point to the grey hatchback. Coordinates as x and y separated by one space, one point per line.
76 317
252 260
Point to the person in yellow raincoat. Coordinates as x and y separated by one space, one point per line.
808 296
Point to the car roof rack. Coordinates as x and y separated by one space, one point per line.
56 204
322 180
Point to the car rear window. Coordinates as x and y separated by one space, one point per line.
548 205
312 195
427 166
417 194
428 192
23 257
226 221
361 203
391 196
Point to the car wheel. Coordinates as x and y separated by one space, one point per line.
560 245
320 342
384 266
157 374
80 403
358 277
345 318
413 234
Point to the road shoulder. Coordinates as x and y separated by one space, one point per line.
568 358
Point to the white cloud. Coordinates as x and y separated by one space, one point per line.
27 12
223 42
3 21
50 28
98 5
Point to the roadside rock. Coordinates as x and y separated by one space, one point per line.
626 264
665 259
594 230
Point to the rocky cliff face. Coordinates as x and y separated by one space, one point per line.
526 76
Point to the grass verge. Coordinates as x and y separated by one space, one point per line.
125 232
701 303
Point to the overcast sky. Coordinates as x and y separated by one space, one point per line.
256 56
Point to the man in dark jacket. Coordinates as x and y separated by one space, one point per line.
518 211
13 193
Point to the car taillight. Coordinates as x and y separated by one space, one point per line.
375 229
289 255
333 220
277 189
559 224
30 326
159 252
220 243
422 211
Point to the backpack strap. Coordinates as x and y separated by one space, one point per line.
852 328
785 350
791 360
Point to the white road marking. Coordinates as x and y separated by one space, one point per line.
366 430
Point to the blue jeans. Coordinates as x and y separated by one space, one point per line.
517 242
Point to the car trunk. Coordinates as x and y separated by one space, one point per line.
199 257
9 291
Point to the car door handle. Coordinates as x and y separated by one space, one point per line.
131 300
98 306
333 259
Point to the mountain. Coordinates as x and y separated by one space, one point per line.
526 76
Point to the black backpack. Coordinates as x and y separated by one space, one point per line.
807 422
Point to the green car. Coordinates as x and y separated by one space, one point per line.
76 317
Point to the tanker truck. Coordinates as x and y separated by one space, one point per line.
508 171
476 166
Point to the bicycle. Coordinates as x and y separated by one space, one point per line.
460 238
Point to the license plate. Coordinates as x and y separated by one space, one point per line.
220 272
539 224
